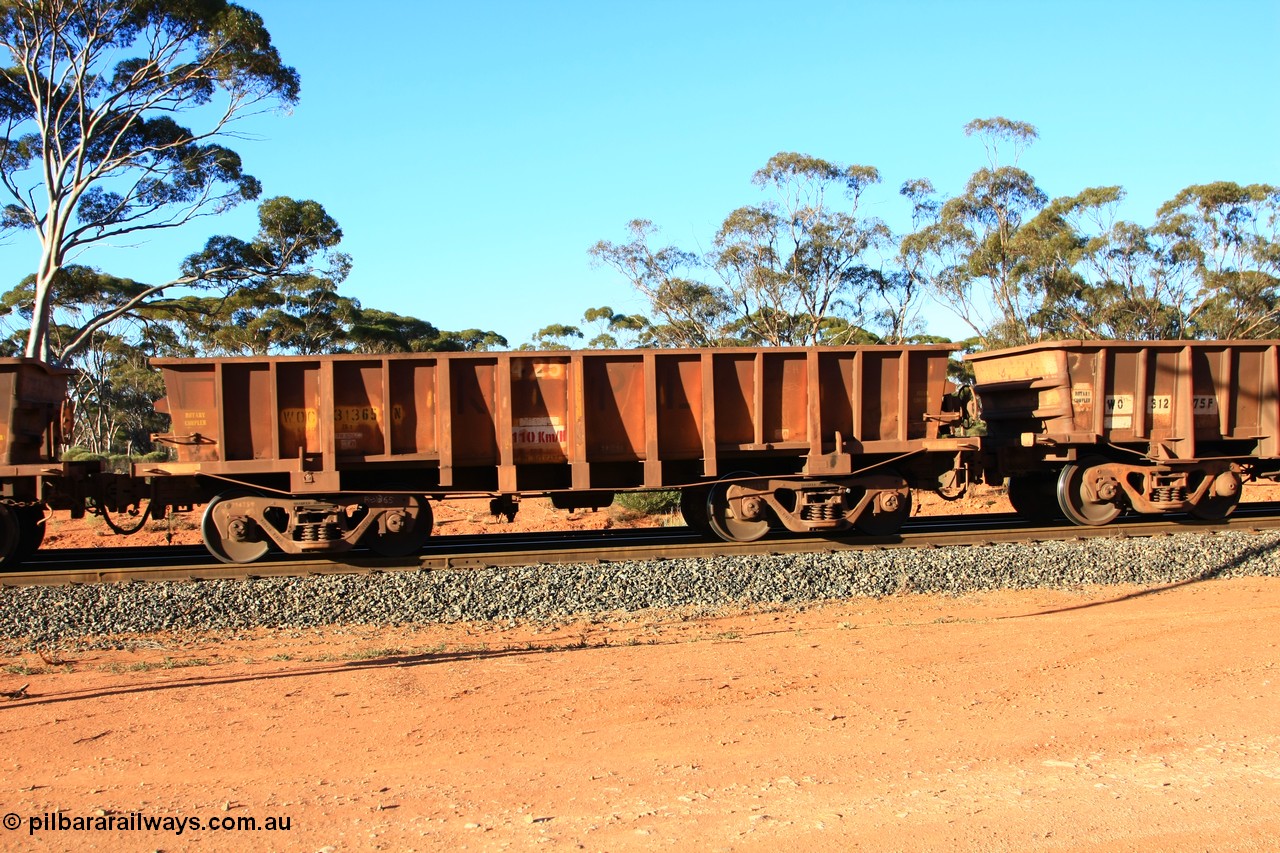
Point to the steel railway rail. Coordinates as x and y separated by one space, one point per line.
183 563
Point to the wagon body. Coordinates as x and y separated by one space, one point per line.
319 453
1174 399
1157 426
34 413
547 421
32 397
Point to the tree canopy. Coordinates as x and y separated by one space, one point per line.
1014 263
93 148
778 272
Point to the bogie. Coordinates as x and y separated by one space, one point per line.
241 526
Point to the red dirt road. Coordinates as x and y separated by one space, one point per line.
1103 719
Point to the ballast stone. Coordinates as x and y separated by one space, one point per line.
38 616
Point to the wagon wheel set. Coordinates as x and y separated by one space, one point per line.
1093 491
742 507
241 526
21 531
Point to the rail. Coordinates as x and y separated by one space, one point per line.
612 546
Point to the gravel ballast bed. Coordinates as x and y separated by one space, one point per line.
43 615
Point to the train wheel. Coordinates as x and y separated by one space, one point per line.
1222 499
889 511
30 530
402 531
736 518
1034 497
693 508
1084 498
10 536
1214 508
231 536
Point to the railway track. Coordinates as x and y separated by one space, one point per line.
191 562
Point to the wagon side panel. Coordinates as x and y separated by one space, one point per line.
194 403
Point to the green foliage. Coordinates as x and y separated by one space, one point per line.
611 331
688 312
837 331
649 503
115 389
1018 267
798 259
554 337
1224 238
82 454
470 340
376 331
999 131
785 267
118 462
94 150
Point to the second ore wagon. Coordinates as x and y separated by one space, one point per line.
320 453
1092 428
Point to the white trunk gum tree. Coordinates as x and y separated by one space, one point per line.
92 150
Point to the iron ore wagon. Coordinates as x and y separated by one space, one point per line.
319 453
35 415
1092 428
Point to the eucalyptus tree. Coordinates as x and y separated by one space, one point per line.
375 331
687 312
115 390
1103 278
93 150
614 330
471 340
273 292
974 254
303 315
1224 239
1208 268
794 261
557 336
777 271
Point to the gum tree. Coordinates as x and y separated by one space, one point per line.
800 258
974 254
1223 239
93 148
688 313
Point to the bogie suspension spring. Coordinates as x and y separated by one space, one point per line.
317 532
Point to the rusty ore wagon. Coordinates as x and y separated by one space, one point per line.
1096 427
319 453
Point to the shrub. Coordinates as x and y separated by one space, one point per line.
81 454
118 462
649 503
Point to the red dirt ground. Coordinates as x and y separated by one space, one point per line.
1097 719
1087 720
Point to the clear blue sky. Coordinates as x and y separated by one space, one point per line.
474 152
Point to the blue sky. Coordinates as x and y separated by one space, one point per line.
474 152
